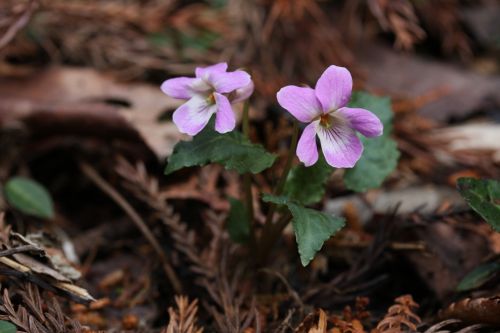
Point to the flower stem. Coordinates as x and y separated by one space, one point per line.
272 230
288 165
289 160
246 119
247 178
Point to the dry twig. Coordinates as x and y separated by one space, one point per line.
19 23
92 174
211 264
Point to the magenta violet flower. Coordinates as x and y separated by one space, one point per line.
324 109
206 94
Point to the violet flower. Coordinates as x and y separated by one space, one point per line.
324 108
206 95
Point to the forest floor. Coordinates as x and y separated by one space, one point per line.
81 112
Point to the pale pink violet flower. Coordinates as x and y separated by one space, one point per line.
206 94
324 109
242 93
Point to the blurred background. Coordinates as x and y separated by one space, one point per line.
81 111
439 58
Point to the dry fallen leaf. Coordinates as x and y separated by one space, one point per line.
72 92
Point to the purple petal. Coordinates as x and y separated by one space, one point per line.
334 87
300 102
205 71
201 86
307 150
179 87
224 118
192 116
363 121
243 93
340 144
226 82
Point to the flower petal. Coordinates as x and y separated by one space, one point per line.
201 86
243 93
179 87
226 82
224 117
340 144
192 116
363 121
301 102
307 150
334 88
205 71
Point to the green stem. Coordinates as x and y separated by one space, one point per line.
271 231
247 186
288 165
246 119
247 177
289 160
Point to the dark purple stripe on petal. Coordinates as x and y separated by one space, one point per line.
340 145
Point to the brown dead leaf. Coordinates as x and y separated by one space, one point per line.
445 263
74 95
409 76
322 323
480 310
40 268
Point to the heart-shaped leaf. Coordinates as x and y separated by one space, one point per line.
379 159
232 150
380 155
312 228
306 185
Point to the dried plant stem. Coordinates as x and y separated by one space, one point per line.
20 23
20 249
94 176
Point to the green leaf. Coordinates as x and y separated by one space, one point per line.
7 327
482 195
278 200
307 184
479 276
238 224
29 197
232 150
380 155
312 228
379 159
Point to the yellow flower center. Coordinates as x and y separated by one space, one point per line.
325 120
211 99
